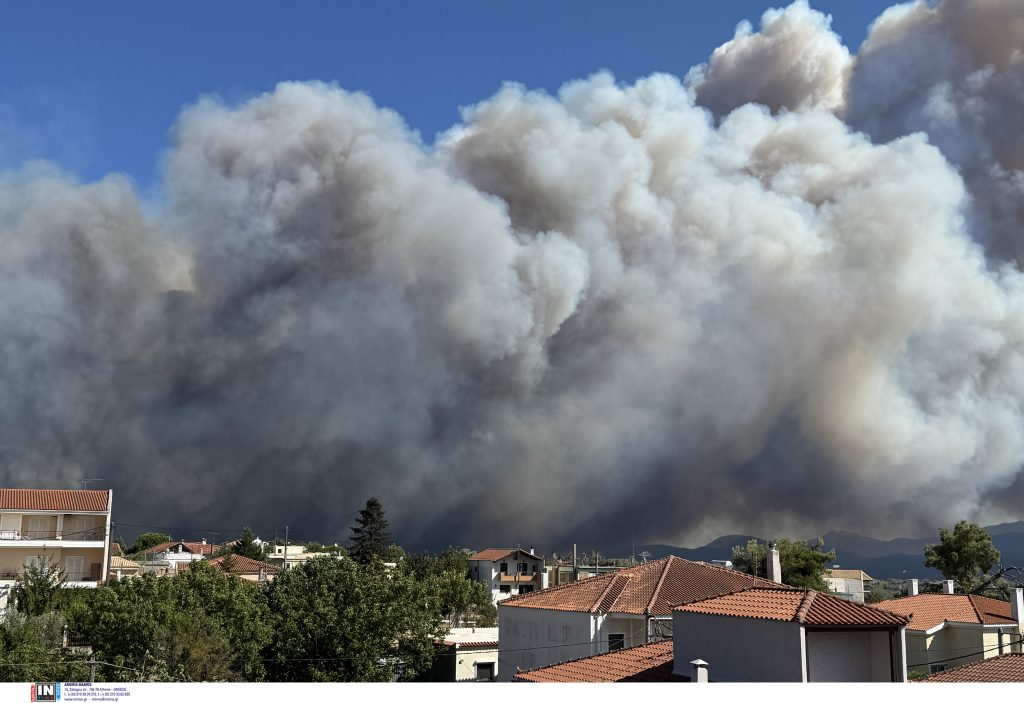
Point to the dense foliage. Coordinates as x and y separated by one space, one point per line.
803 564
147 540
965 555
370 538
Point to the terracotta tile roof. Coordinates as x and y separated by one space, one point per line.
117 562
77 501
648 663
806 607
1006 668
655 587
245 565
931 609
496 554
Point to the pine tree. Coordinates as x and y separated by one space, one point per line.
370 536
246 546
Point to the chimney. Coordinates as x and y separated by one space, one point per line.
204 540
699 671
774 565
947 587
912 587
531 550
1017 604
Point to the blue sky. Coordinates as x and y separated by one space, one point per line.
97 86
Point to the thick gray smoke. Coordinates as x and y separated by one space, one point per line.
635 312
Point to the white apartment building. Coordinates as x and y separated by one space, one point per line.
66 527
508 572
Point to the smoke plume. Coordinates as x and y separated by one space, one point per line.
781 294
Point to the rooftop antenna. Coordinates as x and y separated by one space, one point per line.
86 481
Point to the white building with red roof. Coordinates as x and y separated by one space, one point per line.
507 572
68 528
778 634
606 613
952 629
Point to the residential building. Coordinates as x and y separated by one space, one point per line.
605 613
650 663
171 555
847 583
1005 668
121 568
949 629
467 654
296 554
66 527
245 568
769 634
508 572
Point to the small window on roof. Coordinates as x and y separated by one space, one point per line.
616 642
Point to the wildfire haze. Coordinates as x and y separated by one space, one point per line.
781 292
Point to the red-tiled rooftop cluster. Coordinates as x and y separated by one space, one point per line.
244 565
497 553
1006 668
75 501
931 609
201 548
648 663
652 588
806 607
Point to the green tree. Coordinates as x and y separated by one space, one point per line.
803 564
339 620
31 649
199 625
39 588
460 597
246 546
147 540
370 536
965 555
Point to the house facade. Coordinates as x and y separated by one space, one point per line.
69 528
949 629
508 572
786 635
606 613
171 556
847 583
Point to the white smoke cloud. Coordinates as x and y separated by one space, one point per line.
651 308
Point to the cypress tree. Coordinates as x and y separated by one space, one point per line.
370 536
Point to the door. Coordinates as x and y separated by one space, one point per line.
82 528
74 568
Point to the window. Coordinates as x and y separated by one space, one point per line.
936 668
522 567
38 527
485 671
503 567
526 589
616 642
504 589
534 568
74 568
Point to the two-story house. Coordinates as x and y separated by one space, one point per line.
69 528
508 572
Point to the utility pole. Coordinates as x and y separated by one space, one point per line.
92 668
286 547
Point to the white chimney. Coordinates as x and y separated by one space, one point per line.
699 671
774 565
531 550
947 587
1017 604
912 587
204 540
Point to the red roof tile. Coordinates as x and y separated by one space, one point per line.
654 587
648 663
496 554
76 501
1006 668
244 565
931 609
806 607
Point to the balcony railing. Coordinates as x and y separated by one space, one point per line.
519 578
80 535
83 576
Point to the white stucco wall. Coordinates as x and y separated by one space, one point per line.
533 637
848 656
739 649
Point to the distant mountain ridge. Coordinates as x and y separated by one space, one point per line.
881 559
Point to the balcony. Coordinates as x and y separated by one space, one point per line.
94 535
520 578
